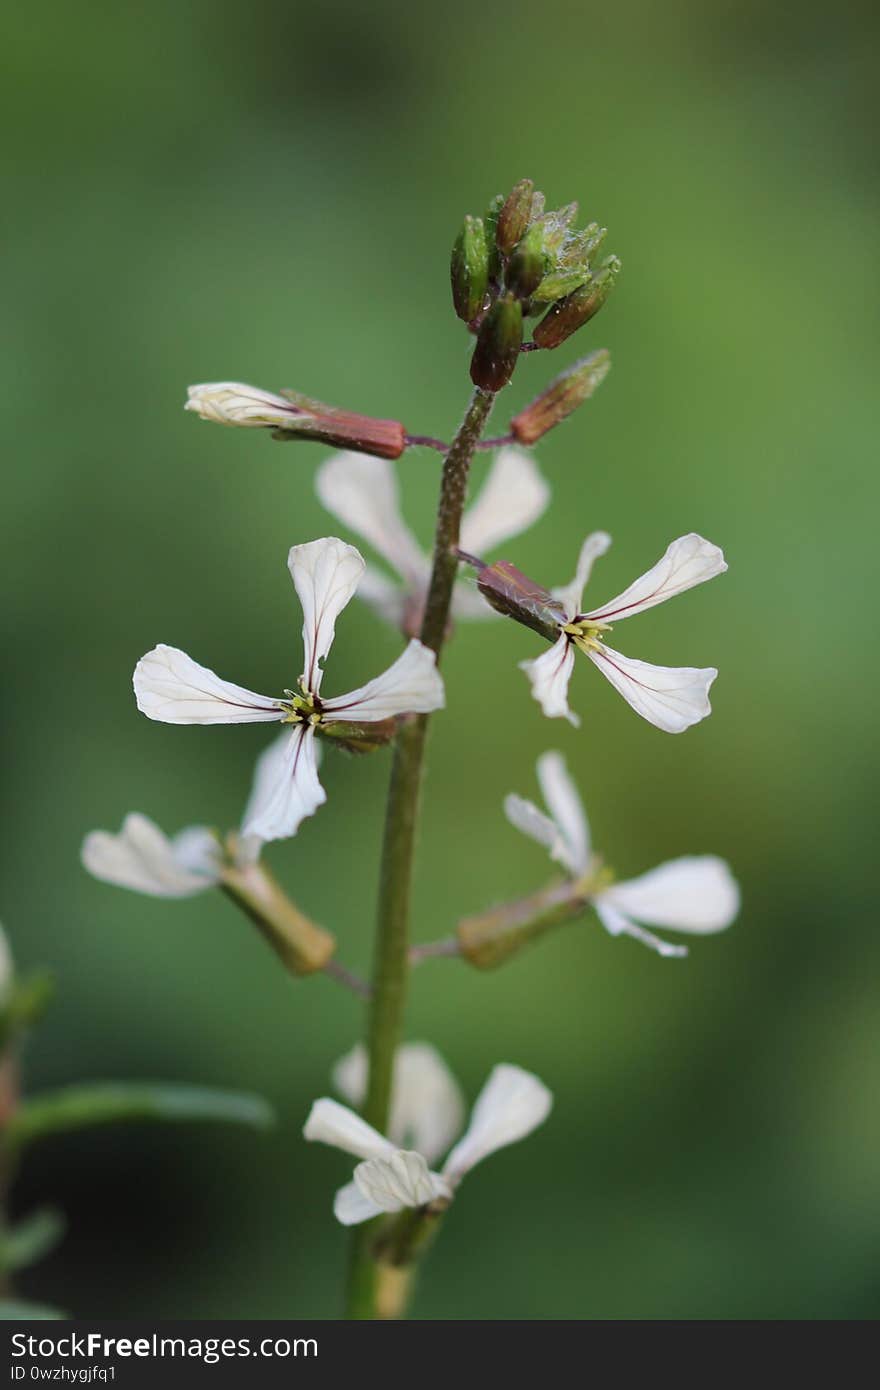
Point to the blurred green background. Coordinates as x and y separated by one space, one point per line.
269 194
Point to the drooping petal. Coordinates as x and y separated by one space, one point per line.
670 697
618 924
362 492
174 689
525 816
351 1207
571 595
331 1123
141 857
389 600
403 1179
287 789
564 803
513 496
326 574
550 674
696 893
688 561
427 1109
512 1103
412 685
233 403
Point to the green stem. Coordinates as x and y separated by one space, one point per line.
391 958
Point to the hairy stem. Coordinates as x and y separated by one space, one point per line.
391 955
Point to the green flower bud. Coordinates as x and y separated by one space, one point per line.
514 217
470 269
569 314
561 397
498 345
529 262
490 222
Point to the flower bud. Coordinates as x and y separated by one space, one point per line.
529 262
470 269
514 217
574 310
294 416
492 937
509 591
490 222
561 397
301 945
498 345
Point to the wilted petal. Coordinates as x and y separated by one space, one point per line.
512 1103
326 574
696 893
550 674
571 595
362 492
287 789
427 1109
564 803
174 689
233 403
618 924
525 816
141 857
688 561
670 697
513 496
334 1124
351 1207
403 1179
412 685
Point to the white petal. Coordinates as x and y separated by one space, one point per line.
550 674
143 858
670 697
564 803
513 496
233 403
7 968
334 1124
571 595
525 816
427 1109
197 850
386 598
289 791
696 893
362 492
403 1179
351 1207
174 689
512 1103
688 561
618 924
412 685
326 574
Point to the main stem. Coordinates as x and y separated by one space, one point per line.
391 955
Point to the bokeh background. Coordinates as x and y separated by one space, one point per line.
269 193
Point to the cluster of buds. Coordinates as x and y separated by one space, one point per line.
519 262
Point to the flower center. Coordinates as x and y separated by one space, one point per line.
301 708
586 636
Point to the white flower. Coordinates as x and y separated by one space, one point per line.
427 1108
232 403
511 1104
361 491
174 689
696 893
670 697
143 858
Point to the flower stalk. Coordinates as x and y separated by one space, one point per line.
391 957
